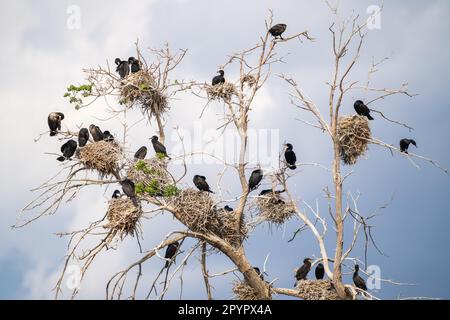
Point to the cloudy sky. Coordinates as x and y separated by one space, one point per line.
41 56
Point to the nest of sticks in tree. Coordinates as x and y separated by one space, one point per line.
249 80
123 217
354 134
140 89
274 209
317 290
103 156
223 91
197 211
243 291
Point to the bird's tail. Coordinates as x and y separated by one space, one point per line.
53 133
210 191
370 117
167 264
135 202
61 159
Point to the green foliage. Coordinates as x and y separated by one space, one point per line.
171 191
160 156
153 189
139 188
76 94
142 166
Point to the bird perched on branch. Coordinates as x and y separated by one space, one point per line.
96 133
159 147
228 209
107 136
259 273
170 252
303 271
123 68
358 281
54 122
116 194
141 153
291 158
320 272
362 109
68 150
201 184
277 30
255 179
128 189
83 137
134 64
219 79
405 143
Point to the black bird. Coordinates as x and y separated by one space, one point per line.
362 109
289 155
259 273
128 189
303 271
320 271
219 79
171 251
228 209
96 133
83 137
123 68
201 184
277 30
54 122
159 147
255 179
405 143
135 65
358 281
68 150
266 192
141 153
107 136
116 194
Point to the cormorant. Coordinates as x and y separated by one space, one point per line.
259 273
404 145
228 209
128 189
135 65
116 194
289 155
362 109
255 179
159 147
266 192
83 137
303 271
96 133
277 30
141 153
123 68
358 281
54 122
68 150
107 136
219 79
320 271
201 184
171 251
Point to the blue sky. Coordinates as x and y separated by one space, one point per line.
41 57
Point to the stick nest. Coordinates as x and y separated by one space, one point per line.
242 291
123 217
102 156
274 209
151 176
197 211
140 89
354 133
317 290
223 91
249 80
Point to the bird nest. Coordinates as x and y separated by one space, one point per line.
274 210
243 291
224 91
197 211
140 89
151 177
249 80
354 134
317 290
123 216
102 156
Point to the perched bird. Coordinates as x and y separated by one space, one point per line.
277 30
320 271
141 153
358 281
259 273
107 136
171 251
54 122
128 189
201 184
219 79
83 137
266 192
255 179
228 209
123 68
362 109
159 147
68 150
405 143
289 155
116 194
303 271
135 65
274 195
96 133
